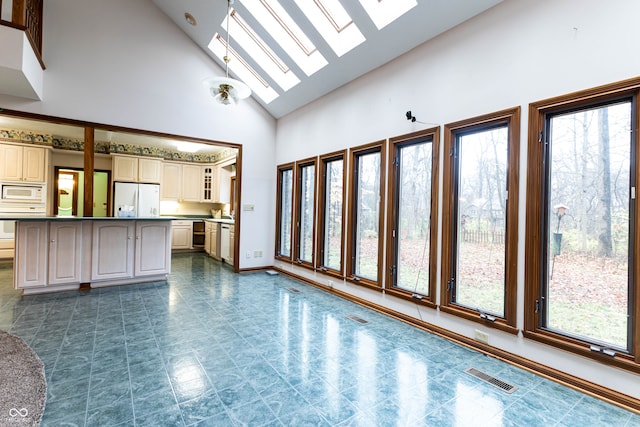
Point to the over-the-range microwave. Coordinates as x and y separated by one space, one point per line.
18 192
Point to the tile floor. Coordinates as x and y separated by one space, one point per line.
210 348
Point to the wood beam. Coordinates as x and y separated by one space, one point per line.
89 134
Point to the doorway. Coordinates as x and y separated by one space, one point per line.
69 192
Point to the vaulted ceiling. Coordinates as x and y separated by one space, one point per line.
291 52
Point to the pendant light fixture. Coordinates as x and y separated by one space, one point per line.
226 90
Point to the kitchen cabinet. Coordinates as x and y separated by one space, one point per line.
170 186
191 183
212 244
23 163
181 182
152 251
31 254
113 247
207 237
136 169
65 251
181 234
209 183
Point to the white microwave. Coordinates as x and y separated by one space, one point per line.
15 192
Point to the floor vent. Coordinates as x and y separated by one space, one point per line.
496 382
357 319
293 290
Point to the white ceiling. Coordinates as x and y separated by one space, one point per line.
425 21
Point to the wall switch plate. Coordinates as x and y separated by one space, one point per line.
257 254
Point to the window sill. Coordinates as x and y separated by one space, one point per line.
474 316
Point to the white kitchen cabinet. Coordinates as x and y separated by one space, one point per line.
113 246
209 183
170 186
136 169
23 163
65 252
181 234
207 237
153 248
191 183
212 244
224 185
31 254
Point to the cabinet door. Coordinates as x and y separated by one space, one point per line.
34 164
65 252
149 170
207 237
224 185
11 162
207 184
125 169
231 244
181 234
153 251
191 183
31 254
113 246
170 186
215 241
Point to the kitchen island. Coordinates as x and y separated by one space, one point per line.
65 253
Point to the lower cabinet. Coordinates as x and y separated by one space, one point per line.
153 248
181 234
65 252
62 254
112 250
31 254
232 234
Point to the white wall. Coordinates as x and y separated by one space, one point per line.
124 63
516 53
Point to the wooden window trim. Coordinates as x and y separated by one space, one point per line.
533 239
280 169
322 163
394 144
511 117
297 190
354 153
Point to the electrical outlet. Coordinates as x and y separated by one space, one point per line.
248 208
481 336
257 254
330 283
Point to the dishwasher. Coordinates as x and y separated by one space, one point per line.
224 241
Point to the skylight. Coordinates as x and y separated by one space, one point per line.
383 12
287 34
257 49
243 70
334 24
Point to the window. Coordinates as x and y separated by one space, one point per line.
305 212
366 184
331 213
480 196
413 182
284 214
580 274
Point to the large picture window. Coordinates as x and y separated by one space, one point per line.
480 196
580 274
366 185
331 213
413 199
284 214
305 212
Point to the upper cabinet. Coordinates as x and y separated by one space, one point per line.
181 182
23 163
137 169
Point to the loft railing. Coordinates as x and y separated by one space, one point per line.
25 15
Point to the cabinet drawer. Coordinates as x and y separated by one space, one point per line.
181 223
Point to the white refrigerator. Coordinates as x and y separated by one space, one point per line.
136 200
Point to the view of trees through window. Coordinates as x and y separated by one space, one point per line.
413 219
367 218
306 213
587 250
286 212
333 205
481 219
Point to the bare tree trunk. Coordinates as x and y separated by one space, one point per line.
605 247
